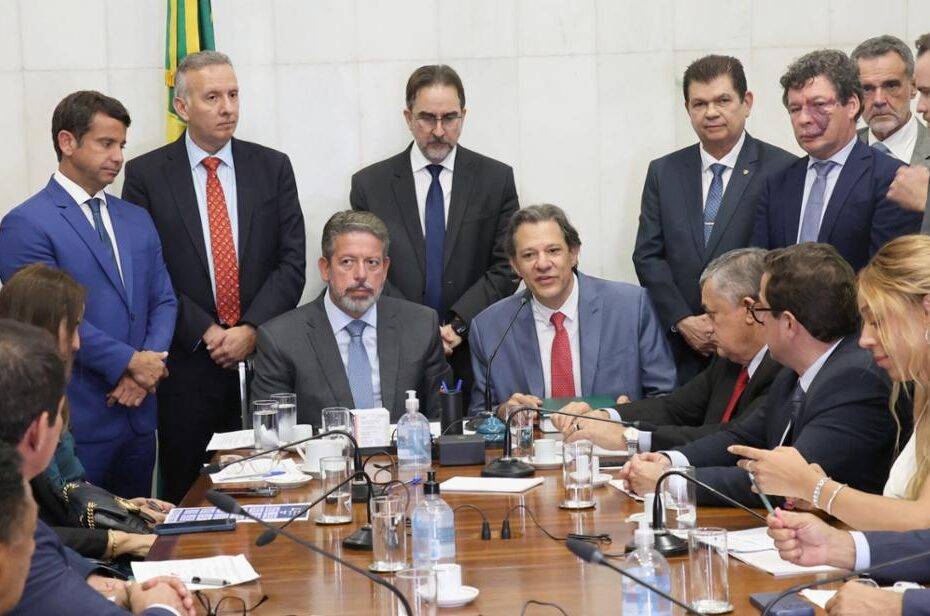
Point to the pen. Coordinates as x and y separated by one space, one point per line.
762 497
206 581
153 505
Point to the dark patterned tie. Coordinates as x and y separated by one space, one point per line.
435 225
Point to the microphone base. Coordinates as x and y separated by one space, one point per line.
359 492
668 544
510 467
359 540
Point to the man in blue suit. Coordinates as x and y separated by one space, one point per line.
579 336
836 194
110 246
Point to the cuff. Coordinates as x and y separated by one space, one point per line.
614 415
677 458
645 443
863 552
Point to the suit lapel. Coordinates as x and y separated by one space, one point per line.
323 341
921 155
589 333
791 207
388 354
179 179
524 337
859 161
462 184
123 239
740 177
694 200
405 197
245 195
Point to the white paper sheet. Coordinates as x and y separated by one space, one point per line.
770 562
239 439
246 473
620 484
818 597
489 484
750 540
232 569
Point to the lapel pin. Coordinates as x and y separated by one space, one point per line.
745 171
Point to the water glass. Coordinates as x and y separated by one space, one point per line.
521 437
337 507
287 415
339 418
708 565
388 533
679 500
418 585
265 424
578 475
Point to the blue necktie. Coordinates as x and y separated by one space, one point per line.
435 224
714 199
813 213
797 405
94 204
359 367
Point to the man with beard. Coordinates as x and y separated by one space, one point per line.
352 347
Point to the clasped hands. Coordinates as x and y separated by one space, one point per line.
698 332
145 370
139 596
230 346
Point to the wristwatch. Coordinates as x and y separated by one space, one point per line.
631 434
459 326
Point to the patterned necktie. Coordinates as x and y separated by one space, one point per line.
359 367
813 212
714 199
563 379
94 204
797 406
738 390
435 224
225 263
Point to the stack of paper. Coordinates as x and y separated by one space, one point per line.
239 439
229 570
754 547
489 484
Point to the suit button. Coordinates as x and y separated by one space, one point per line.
132 316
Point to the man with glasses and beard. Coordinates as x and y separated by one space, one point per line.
351 347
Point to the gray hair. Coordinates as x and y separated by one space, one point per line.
736 274
880 45
195 62
833 64
353 221
536 214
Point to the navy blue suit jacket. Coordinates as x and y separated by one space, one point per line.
858 220
887 545
119 318
845 427
623 348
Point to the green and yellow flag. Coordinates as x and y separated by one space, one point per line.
189 29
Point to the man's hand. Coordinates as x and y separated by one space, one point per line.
586 427
519 400
127 392
698 333
236 344
111 588
909 187
132 544
450 339
806 540
643 470
160 510
858 599
782 471
621 399
563 423
164 590
147 368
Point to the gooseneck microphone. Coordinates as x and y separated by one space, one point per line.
524 300
227 503
213 468
589 553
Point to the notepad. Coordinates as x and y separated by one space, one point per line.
490 484
239 439
233 569
770 562
750 540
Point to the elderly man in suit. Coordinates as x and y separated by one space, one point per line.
580 335
111 247
734 385
446 208
836 194
233 232
699 203
351 346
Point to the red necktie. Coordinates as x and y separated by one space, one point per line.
563 381
741 381
225 265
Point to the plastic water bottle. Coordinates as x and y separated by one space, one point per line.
433 528
414 457
650 566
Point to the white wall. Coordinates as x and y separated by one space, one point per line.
577 95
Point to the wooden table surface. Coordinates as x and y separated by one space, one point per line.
507 572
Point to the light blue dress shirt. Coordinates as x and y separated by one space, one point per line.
338 320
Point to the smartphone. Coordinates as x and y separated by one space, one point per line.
198 526
792 605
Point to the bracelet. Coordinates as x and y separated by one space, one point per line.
832 497
110 553
815 500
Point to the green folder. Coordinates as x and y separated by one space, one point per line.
595 402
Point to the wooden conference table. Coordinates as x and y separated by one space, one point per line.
507 572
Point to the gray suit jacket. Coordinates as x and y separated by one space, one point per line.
297 352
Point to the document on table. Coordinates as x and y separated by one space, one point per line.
230 569
248 471
620 484
489 484
239 439
750 540
770 562
268 513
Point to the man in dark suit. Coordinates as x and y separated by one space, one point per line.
699 203
112 249
830 403
734 385
17 528
351 346
446 209
836 194
233 236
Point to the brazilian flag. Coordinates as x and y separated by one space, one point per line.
189 29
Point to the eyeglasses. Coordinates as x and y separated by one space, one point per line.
229 604
427 120
756 308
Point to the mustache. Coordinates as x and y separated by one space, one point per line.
360 287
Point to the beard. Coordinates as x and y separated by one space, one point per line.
355 306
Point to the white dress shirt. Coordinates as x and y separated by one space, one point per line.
338 321
81 197
728 161
422 178
840 159
545 334
226 172
902 142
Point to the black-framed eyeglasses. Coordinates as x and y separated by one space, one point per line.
428 120
229 604
756 308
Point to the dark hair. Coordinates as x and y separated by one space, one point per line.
434 75
12 493
708 68
353 221
922 44
76 111
815 284
833 64
536 214
32 378
43 296
878 46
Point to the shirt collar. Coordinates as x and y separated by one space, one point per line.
811 373
339 319
755 361
196 154
419 162
899 139
569 308
76 192
839 157
728 161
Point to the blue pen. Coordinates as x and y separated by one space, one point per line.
443 388
762 496
458 386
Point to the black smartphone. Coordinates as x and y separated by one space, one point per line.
792 605
199 526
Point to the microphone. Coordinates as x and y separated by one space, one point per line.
524 300
227 503
213 468
665 542
589 553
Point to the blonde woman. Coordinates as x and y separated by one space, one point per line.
894 300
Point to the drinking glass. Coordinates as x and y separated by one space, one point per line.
388 533
287 415
339 418
577 475
265 424
708 565
337 507
521 437
679 500
418 585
